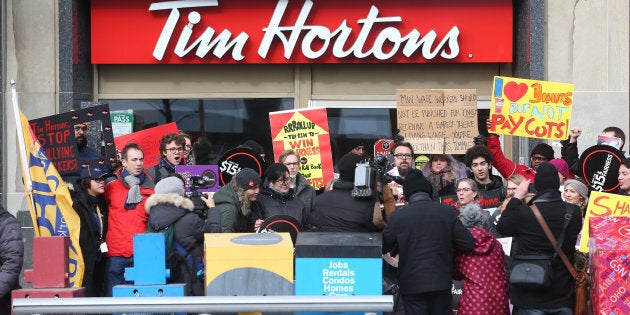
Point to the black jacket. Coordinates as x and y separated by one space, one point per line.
272 203
90 239
425 233
338 211
519 221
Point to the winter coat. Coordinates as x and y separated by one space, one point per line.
491 195
233 218
444 182
305 192
519 221
505 166
90 239
338 211
166 210
425 232
272 203
123 223
483 271
11 253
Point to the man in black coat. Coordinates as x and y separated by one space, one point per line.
425 233
519 221
11 258
337 210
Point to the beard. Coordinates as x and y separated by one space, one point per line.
81 142
402 172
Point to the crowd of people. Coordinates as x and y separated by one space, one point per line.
436 241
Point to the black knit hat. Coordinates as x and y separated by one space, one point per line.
544 150
416 182
247 178
347 165
546 177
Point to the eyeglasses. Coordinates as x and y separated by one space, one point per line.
539 158
175 150
402 155
283 180
510 189
463 190
291 164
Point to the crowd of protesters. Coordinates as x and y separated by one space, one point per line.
436 241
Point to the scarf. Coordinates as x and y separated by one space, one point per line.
440 180
133 195
163 162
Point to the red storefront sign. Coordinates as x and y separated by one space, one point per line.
305 31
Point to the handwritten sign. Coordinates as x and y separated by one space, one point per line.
603 205
531 108
438 121
306 132
56 135
148 140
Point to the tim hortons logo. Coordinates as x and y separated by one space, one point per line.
313 40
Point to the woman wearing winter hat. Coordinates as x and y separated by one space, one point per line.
235 201
576 192
485 289
168 208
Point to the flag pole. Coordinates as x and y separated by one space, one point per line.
28 183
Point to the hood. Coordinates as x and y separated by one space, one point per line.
166 209
278 195
484 241
497 183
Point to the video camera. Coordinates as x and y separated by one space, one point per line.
368 173
196 183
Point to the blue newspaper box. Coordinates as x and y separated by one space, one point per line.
330 263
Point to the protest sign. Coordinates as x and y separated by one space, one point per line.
603 205
305 131
148 140
531 108
599 166
57 136
438 121
199 178
234 160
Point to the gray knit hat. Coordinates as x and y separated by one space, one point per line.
579 187
170 185
472 215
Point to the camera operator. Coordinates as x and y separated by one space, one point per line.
168 208
337 210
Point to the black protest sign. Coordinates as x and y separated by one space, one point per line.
600 167
281 223
77 138
490 198
232 161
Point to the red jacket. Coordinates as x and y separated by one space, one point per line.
505 166
123 223
485 289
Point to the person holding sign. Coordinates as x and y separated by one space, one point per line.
298 183
235 201
569 149
478 159
172 148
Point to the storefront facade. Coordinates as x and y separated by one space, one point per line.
65 54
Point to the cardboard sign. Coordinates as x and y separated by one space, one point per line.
531 108
57 137
599 165
603 205
148 140
209 175
232 161
437 121
305 131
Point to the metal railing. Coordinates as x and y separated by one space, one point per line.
205 304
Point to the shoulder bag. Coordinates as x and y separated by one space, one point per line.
581 277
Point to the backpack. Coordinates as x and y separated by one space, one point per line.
184 268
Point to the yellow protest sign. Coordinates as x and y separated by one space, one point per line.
603 205
531 108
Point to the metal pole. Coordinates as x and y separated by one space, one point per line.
204 304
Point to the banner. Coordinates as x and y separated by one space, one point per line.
148 140
49 201
306 132
603 205
531 108
437 121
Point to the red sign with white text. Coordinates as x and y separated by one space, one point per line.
283 31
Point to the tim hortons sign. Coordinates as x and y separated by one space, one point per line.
305 31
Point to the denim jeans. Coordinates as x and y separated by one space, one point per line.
546 311
115 272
